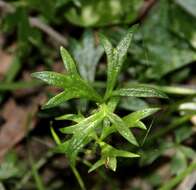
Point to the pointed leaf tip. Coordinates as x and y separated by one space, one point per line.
68 61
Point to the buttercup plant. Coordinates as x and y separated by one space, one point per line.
103 121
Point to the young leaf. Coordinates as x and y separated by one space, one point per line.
68 61
141 125
67 94
139 91
108 150
124 44
72 117
89 121
111 163
96 165
80 138
131 120
76 143
53 78
115 57
109 155
55 136
74 87
58 99
122 128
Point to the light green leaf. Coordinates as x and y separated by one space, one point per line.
68 61
74 87
140 91
67 94
111 163
141 125
115 57
89 121
62 148
179 90
113 102
122 128
108 156
83 133
58 99
123 46
72 117
55 136
131 120
96 165
53 78
108 150
76 143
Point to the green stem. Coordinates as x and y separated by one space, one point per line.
78 177
173 182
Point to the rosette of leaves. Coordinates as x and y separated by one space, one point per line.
103 121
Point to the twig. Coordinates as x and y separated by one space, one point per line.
148 4
37 23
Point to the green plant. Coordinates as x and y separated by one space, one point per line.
102 121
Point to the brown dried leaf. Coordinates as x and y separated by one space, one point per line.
5 62
19 120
